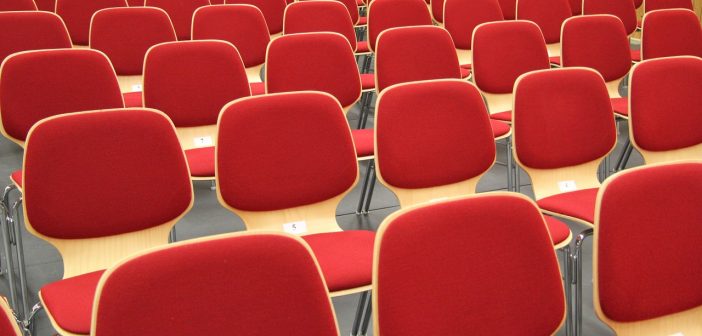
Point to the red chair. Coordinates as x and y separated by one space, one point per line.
190 81
625 10
17 5
249 274
471 277
651 5
273 11
657 88
638 291
136 3
460 19
671 32
509 8
181 13
46 5
385 14
124 35
243 26
549 16
8 323
284 162
23 31
78 13
599 42
134 211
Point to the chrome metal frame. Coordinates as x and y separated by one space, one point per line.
578 279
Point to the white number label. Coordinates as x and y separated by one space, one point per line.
137 88
295 227
567 186
203 141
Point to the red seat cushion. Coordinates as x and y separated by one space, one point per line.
578 204
133 99
362 21
620 105
499 128
201 161
465 72
346 257
638 24
363 141
636 55
362 47
360 3
555 60
367 81
502 116
16 178
70 301
559 230
467 66
257 88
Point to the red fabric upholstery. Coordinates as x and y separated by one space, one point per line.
192 81
638 3
363 20
319 16
556 115
269 284
386 14
623 9
201 161
367 81
257 88
17 5
555 60
16 178
462 16
180 12
70 301
23 31
547 14
578 204
559 231
432 133
346 257
640 281
652 5
502 51
666 103
264 159
598 42
8 325
502 116
77 15
509 9
467 66
138 3
620 105
242 25
576 7
133 99
362 47
352 9
313 61
671 32
125 34
273 11
499 128
475 284
363 139
635 55
415 53
437 10
46 5
464 72
133 174
24 100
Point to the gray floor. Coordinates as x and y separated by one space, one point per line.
207 218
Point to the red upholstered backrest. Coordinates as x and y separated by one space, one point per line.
135 3
319 16
21 31
671 32
46 5
385 14
71 80
272 10
432 133
562 118
191 81
316 62
463 282
623 9
462 16
547 14
437 10
125 34
283 150
78 13
409 54
270 285
576 7
598 42
666 105
124 170
509 9
650 5
503 51
639 281
17 5
241 25
181 13
8 325
352 8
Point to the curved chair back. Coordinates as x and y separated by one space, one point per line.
78 13
31 30
547 14
273 11
671 32
181 14
651 5
319 16
386 14
8 322
625 10
17 5
461 18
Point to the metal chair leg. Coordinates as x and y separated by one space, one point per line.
7 233
20 255
578 279
364 188
370 189
358 319
510 165
364 109
624 156
367 316
369 101
568 286
172 236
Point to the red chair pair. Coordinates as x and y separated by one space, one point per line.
18 5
